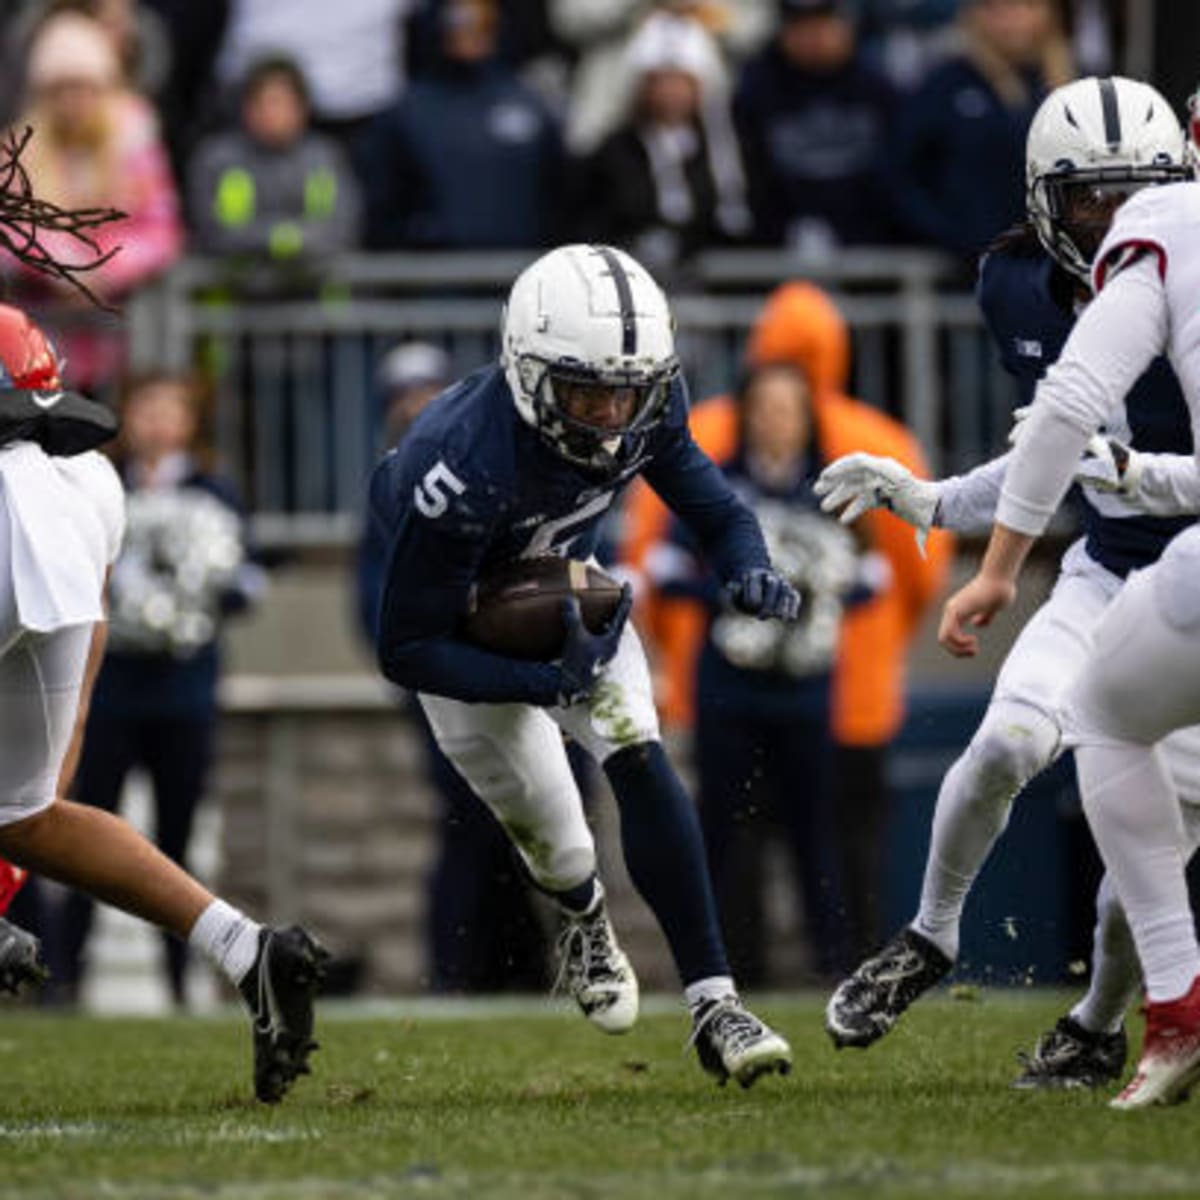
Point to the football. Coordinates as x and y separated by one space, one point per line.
517 609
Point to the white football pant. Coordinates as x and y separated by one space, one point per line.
513 757
1141 682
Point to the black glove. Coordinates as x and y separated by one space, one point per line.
762 592
584 653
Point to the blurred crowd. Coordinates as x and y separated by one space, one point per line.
284 132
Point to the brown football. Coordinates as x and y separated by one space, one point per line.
516 610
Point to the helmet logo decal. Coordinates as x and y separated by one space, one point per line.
1112 114
624 299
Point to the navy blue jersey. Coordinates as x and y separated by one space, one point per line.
472 486
1027 304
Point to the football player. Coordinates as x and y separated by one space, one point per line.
62 514
1141 679
525 458
1092 144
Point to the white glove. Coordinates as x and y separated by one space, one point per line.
862 482
1110 466
1020 416
1107 464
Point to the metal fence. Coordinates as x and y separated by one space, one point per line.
296 412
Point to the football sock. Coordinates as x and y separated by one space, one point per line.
704 990
580 899
664 852
1135 819
227 938
1116 975
1014 742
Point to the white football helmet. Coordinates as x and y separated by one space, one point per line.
1091 144
590 316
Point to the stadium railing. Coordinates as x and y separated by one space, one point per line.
294 357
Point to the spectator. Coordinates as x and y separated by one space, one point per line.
483 934
907 38
182 569
273 190
960 140
800 325
351 54
470 157
599 30
814 122
96 145
669 181
763 693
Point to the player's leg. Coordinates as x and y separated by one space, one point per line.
733 805
664 852
513 757
1087 1046
1139 685
111 749
1018 737
40 678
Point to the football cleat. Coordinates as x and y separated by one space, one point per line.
594 971
1069 1056
732 1043
868 1003
1170 1062
21 962
279 991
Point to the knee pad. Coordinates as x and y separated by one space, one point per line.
1014 743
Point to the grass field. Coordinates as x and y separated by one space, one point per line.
532 1103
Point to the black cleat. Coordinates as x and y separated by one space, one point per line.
1070 1056
732 1043
279 991
21 964
868 1003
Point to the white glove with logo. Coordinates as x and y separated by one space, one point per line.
861 482
1107 464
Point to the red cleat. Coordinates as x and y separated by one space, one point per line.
1170 1062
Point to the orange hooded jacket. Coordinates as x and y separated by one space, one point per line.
800 325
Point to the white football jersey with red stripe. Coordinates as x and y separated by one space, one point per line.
1165 222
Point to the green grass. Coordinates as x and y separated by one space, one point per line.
536 1105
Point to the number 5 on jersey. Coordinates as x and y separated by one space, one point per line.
432 494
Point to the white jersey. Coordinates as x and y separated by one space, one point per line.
64 519
1165 222
1147 276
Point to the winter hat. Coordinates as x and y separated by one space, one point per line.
70 47
673 43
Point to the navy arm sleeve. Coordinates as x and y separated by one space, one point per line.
432 563
693 487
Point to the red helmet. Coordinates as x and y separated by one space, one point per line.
27 359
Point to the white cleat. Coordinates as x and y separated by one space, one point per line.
733 1043
595 972
1170 1062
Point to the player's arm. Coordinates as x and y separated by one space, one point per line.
856 483
438 539
726 531
1160 485
1113 343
